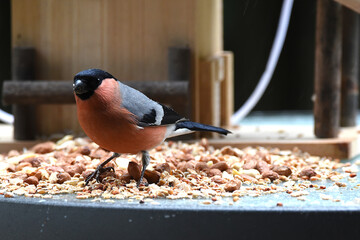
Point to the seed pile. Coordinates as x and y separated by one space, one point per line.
177 170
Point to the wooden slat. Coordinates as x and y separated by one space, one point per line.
227 90
333 147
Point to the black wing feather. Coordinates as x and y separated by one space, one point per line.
170 116
149 118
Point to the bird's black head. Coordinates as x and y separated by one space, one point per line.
87 81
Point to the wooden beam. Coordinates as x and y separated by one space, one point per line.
327 69
61 92
350 65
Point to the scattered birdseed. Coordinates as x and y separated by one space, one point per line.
177 171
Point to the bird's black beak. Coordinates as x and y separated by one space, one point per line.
80 87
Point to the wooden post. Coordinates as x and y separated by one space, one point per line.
23 68
227 90
327 69
209 46
350 72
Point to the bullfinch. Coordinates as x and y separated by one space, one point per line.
121 119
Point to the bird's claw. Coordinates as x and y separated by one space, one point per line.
140 182
96 174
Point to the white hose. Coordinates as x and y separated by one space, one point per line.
271 64
6 117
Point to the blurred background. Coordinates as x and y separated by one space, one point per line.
249 30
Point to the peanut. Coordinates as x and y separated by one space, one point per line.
84 150
307 172
222 166
262 166
282 170
201 166
184 166
162 167
232 185
126 177
218 179
270 175
134 170
62 177
34 161
213 172
230 151
249 164
32 180
43 148
73 169
152 176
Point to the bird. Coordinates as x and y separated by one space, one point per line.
123 120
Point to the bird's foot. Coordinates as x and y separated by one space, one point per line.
141 182
145 162
96 174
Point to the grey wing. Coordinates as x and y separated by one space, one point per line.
147 111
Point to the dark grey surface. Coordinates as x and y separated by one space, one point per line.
65 217
55 219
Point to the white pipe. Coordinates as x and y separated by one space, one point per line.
6 117
271 64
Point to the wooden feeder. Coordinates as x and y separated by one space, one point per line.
176 48
141 40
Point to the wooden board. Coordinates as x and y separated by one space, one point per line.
341 148
290 137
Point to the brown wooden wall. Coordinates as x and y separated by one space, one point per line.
128 38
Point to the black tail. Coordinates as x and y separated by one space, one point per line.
200 127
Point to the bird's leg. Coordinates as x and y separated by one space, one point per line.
145 162
100 169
